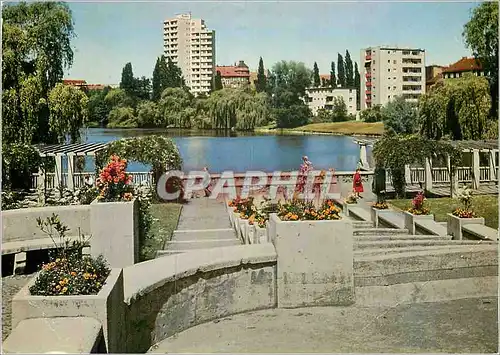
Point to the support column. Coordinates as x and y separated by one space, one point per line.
428 174
475 169
491 160
71 170
41 186
408 175
58 171
363 156
453 179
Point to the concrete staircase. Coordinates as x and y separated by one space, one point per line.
203 224
390 264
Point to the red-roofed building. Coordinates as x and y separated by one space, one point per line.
234 76
464 65
75 83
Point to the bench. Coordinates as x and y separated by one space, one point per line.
20 248
481 231
60 335
431 227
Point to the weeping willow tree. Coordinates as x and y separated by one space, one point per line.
456 108
237 108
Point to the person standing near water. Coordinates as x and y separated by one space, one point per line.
357 183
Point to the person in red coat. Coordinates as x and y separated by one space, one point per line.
357 184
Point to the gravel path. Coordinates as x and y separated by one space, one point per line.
10 286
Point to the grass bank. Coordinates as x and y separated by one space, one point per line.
484 205
165 220
334 128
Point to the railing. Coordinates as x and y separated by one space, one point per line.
140 177
417 175
440 175
484 174
464 174
79 179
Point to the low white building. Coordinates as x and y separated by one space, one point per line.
322 97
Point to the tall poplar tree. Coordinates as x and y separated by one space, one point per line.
261 83
349 71
333 77
357 85
341 71
316 78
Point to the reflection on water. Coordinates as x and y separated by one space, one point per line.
221 150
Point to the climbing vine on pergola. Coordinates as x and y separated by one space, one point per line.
158 151
393 152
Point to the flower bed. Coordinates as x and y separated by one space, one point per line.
462 215
306 211
380 205
418 205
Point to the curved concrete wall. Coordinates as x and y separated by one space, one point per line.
170 294
20 224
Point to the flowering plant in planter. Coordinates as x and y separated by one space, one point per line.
306 211
114 183
418 207
381 205
351 199
465 197
68 272
244 207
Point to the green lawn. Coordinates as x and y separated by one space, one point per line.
166 217
485 206
347 128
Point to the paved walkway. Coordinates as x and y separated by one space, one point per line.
463 326
204 223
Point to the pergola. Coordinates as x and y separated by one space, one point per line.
71 151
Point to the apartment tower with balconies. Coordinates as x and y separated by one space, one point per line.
191 46
387 72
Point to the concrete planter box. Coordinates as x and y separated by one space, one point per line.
115 232
236 222
375 212
410 219
455 224
315 262
107 307
243 231
260 235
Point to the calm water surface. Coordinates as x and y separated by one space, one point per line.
246 151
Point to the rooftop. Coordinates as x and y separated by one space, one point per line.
464 65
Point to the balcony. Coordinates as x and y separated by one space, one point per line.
368 92
368 75
368 83
368 57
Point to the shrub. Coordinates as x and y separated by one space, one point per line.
68 272
86 194
381 205
465 197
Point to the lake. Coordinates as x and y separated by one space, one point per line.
243 151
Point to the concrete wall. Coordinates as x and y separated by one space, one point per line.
170 294
21 224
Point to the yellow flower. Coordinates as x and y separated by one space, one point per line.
64 290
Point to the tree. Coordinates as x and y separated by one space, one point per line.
122 117
142 88
118 98
400 116
293 116
147 114
68 111
218 81
333 78
172 75
349 71
372 114
481 35
316 78
98 110
291 76
357 85
36 50
341 71
156 81
339 110
175 108
261 84
128 82
456 108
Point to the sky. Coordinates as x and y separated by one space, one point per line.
110 34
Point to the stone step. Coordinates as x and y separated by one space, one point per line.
380 231
201 244
366 252
203 234
409 243
363 238
362 224
432 264
203 222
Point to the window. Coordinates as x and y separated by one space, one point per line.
373 63
394 62
388 97
350 99
393 88
389 70
389 61
388 88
